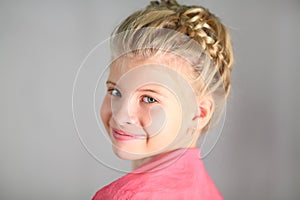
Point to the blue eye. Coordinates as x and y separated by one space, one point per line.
147 99
115 92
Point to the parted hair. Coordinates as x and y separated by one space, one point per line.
213 60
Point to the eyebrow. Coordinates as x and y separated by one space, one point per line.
148 90
110 82
152 91
140 90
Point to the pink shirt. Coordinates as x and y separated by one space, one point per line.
179 174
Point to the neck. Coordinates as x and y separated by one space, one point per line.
137 163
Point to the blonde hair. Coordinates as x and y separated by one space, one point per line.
195 22
191 32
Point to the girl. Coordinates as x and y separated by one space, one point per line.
168 81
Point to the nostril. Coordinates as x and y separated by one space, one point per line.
132 120
125 119
122 116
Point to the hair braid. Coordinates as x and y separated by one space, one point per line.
194 21
204 27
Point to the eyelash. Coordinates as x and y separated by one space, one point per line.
155 101
111 90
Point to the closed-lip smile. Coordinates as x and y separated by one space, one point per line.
124 136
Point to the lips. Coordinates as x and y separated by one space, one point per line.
124 136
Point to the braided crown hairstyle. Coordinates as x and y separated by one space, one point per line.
194 22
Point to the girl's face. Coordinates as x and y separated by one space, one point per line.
149 107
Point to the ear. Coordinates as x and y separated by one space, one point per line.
205 111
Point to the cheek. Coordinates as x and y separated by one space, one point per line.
173 118
106 112
156 119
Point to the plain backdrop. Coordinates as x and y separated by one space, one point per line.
42 44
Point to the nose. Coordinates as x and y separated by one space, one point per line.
124 111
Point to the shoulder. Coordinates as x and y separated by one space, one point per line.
112 194
136 186
185 178
123 188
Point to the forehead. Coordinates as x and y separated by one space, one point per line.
125 63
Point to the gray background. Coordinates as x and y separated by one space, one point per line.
42 44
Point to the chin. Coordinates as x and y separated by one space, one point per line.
125 155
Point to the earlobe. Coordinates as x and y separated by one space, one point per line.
204 112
